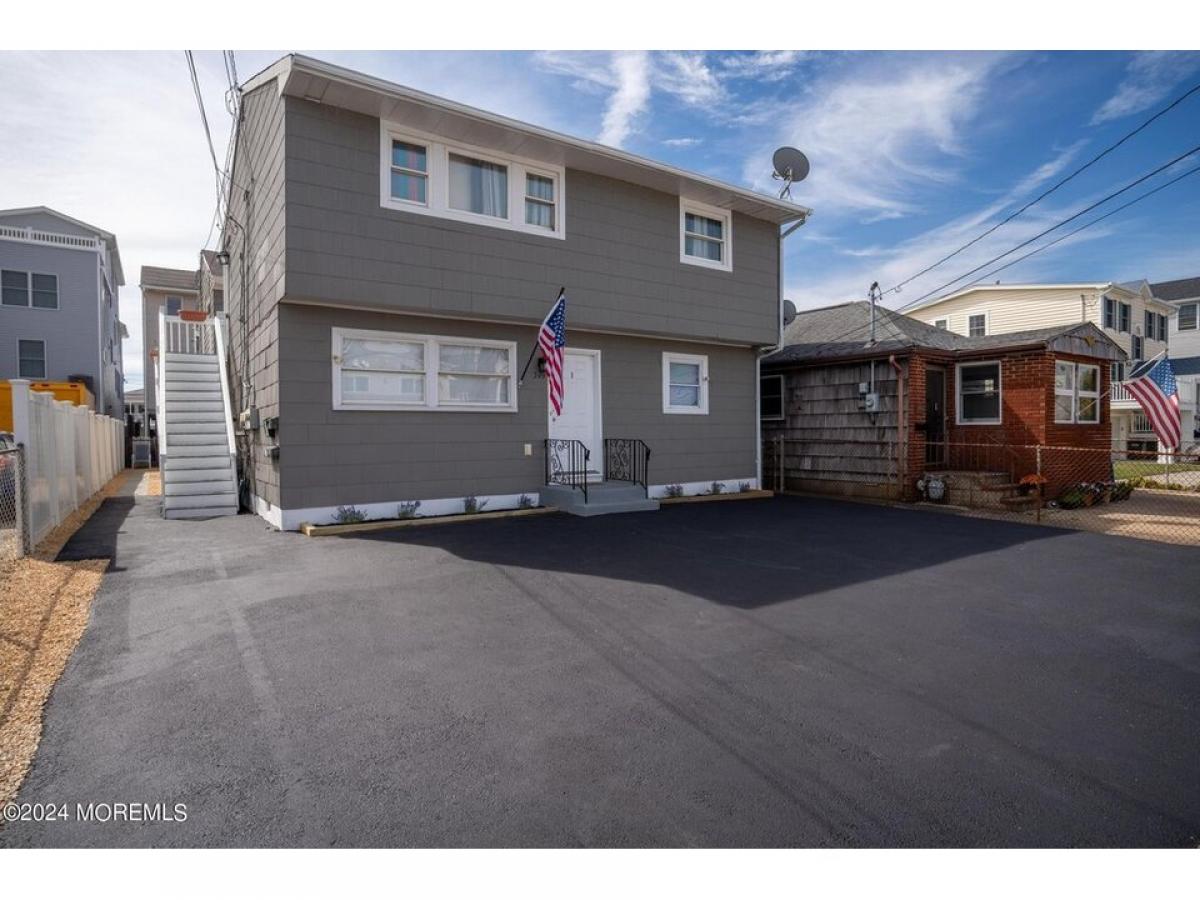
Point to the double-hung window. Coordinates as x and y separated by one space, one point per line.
977 325
1137 347
943 324
31 359
1125 317
1189 314
1162 326
705 236
422 173
685 384
1076 393
1110 313
1151 326
14 288
383 370
410 172
979 393
770 398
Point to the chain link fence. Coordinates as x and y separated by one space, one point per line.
14 532
1139 494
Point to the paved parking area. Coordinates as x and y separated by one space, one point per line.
786 672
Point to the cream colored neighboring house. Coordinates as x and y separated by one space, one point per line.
1128 313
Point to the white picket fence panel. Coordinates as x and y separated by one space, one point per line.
70 452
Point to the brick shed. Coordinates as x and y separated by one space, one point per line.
943 401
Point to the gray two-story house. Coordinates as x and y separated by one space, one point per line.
59 312
391 257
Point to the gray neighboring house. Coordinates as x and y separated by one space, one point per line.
391 257
59 312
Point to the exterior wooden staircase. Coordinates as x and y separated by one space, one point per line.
196 450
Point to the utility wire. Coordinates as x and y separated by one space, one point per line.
1076 231
203 116
1049 191
1054 227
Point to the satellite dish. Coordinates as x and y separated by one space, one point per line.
790 164
789 312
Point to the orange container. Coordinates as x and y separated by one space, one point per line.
75 391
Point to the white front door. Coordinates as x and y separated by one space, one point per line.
580 419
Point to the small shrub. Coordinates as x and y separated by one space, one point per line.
349 515
674 490
525 502
716 488
744 487
408 510
473 504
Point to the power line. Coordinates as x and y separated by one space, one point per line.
1054 227
1048 192
1086 225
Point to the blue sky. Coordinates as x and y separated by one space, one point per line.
912 153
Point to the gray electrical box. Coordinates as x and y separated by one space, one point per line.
871 403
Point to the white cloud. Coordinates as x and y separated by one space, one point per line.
683 142
879 132
632 76
688 77
762 65
1148 80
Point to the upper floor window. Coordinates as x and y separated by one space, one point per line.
1162 326
1125 317
424 174
1188 314
28 289
1076 393
31 359
1110 313
770 394
705 236
174 305
1136 347
977 325
943 324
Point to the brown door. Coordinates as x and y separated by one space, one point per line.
935 416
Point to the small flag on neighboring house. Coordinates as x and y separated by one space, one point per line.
552 338
1152 384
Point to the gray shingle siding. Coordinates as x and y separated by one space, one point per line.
619 260
331 457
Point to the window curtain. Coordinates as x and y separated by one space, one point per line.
478 186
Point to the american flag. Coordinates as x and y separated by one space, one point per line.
552 338
1152 384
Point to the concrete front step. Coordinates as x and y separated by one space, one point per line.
603 498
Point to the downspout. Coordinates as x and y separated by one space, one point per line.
767 351
901 423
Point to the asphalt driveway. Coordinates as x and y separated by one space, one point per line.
786 672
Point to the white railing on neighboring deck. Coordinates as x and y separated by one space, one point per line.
221 338
51 238
1119 392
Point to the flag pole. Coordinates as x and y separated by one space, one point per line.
521 380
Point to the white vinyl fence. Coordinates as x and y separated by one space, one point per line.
70 453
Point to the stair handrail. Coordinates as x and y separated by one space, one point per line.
627 459
575 473
218 326
160 389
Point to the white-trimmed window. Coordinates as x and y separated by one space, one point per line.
1189 316
19 288
943 324
705 235
1162 326
770 398
421 173
1137 347
1124 317
384 370
1110 313
31 359
977 324
979 393
1076 393
685 384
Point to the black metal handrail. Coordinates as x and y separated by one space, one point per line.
627 459
567 463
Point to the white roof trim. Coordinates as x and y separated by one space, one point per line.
322 82
107 236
